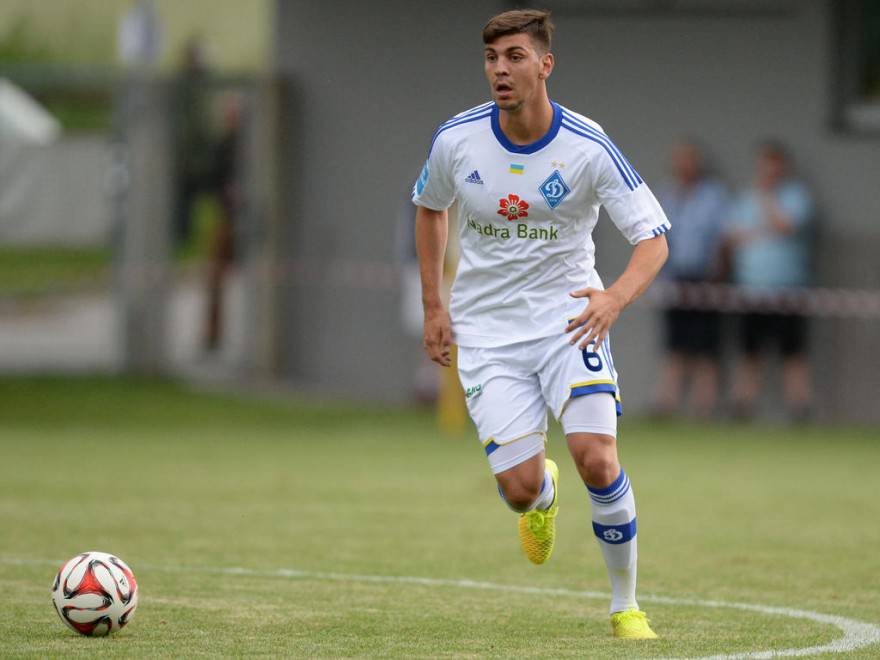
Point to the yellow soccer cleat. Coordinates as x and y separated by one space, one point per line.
537 529
632 624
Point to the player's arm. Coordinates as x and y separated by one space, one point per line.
432 231
635 211
605 306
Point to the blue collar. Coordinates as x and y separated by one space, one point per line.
534 146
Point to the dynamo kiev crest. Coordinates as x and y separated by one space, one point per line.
554 189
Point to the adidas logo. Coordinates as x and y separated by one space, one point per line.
474 177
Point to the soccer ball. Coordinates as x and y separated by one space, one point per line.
95 594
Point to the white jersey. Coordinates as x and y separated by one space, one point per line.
526 215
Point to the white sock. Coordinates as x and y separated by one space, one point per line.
614 523
544 499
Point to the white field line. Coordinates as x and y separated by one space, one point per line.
856 634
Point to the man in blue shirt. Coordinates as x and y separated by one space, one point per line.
697 204
769 237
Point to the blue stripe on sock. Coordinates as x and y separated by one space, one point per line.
611 499
615 534
609 489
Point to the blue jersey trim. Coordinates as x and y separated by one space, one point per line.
617 163
592 389
468 113
606 346
599 134
490 447
659 231
630 175
454 123
534 146
600 387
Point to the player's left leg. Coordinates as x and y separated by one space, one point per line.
590 425
581 389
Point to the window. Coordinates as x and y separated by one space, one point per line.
857 66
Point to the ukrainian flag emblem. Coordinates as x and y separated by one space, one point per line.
517 169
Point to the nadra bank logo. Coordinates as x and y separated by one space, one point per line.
512 207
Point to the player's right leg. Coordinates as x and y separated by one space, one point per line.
521 486
530 488
506 404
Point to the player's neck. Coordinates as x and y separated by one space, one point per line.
529 123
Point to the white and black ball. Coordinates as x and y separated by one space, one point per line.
95 594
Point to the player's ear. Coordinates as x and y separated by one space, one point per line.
547 62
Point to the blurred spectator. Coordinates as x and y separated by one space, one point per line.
225 181
768 238
696 204
193 138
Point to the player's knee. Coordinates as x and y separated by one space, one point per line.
598 469
521 494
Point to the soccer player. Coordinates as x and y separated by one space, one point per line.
529 176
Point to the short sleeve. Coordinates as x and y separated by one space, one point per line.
434 189
629 202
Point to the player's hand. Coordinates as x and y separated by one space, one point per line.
595 321
438 336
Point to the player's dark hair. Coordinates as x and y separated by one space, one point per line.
533 22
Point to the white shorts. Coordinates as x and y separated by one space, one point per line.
509 389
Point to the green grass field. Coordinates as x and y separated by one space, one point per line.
188 486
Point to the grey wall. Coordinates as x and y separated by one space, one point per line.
366 92
367 85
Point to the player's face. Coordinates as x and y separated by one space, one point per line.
516 70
